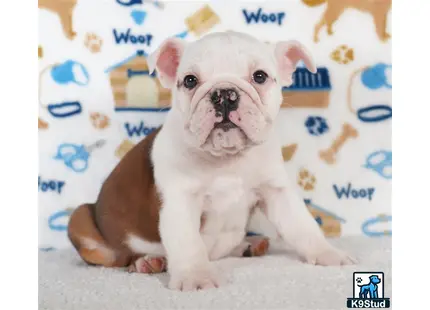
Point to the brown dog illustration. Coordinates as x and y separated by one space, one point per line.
378 8
64 10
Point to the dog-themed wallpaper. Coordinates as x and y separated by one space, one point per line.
97 99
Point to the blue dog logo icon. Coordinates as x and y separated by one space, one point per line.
370 290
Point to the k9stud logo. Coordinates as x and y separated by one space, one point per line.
368 291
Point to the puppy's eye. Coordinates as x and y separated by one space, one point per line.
259 77
190 81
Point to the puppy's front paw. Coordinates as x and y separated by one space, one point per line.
330 256
194 279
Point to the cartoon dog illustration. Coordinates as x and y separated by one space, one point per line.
370 290
378 8
64 10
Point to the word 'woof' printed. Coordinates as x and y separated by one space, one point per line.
127 37
357 193
260 16
138 130
50 185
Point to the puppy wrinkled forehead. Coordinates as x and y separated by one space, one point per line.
227 52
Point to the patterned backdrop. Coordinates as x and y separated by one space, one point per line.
97 99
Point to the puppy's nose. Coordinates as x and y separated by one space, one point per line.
225 100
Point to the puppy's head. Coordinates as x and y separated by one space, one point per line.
227 86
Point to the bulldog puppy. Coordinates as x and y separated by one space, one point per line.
186 191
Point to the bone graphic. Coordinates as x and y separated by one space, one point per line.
329 155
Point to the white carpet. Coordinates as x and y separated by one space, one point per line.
277 281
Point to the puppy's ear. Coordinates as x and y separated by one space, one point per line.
166 60
288 54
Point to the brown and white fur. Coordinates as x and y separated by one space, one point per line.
186 191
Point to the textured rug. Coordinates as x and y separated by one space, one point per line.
276 281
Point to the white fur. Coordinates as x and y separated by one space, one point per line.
194 180
91 244
141 246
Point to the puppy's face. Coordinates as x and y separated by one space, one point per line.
227 86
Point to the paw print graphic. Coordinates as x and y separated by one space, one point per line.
93 42
359 280
306 180
99 121
343 54
316 125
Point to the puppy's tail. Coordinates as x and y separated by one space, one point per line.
313 2
87 239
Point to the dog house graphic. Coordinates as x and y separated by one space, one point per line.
308 90
134 88
330 223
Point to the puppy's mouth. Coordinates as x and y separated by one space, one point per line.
225 125
226 116
226 139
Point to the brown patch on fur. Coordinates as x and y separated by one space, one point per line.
128 203
261 248
94 257
258 246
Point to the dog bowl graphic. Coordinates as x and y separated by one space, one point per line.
380 162
70 72
156 3
378 221
373 78
377 76
57 219
64 109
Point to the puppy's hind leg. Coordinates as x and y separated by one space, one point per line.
87 240
149 257
252 246
223 244
149 264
